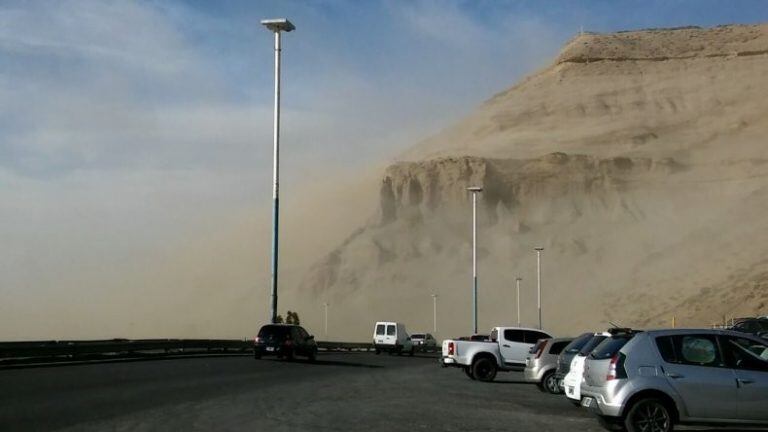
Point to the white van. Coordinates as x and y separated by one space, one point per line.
391 337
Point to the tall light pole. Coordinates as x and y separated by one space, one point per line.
518 300
538 279
276 26
434 313
475 190
326 320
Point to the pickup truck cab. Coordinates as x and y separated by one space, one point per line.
505 351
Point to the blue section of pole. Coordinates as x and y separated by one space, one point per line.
474 303
275 242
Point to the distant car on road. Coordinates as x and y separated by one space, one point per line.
663 377
505 351
424 341
541 363
284 341
391 337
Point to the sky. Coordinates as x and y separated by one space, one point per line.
124 125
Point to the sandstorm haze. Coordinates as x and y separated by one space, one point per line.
135 163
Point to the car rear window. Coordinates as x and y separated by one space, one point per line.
557 347
609 347
589 346
577 344
538 345
418 336
380 329
272 331
391 330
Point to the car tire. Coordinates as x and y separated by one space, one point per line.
549 384
576 403
312 356
412 351
484 369
468 372
289 356
257 356
651 412
377 352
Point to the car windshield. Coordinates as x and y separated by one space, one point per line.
589 346
418 336
577 344
609 347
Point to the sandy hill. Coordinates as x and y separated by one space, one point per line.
638 160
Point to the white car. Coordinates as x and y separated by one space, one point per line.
391 337
572 381
505 351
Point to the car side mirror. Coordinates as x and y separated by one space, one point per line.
311 337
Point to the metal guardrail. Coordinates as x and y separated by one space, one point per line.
12 353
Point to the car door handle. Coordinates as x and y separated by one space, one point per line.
505 346
674 375
740 382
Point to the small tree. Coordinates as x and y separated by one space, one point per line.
292 318
279 319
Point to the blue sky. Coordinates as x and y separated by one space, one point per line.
125 123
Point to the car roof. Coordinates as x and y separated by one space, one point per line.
521 328
684 331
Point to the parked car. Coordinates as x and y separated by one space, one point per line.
481 360
391 337
754 326
424 341
284 341
541 363
567 355
661 378
575 376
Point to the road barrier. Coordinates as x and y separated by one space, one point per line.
13 353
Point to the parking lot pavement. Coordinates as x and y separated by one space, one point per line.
340 392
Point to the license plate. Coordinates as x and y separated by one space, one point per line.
270 348
570 391
380 341
586 402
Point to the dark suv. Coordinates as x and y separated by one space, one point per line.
284 341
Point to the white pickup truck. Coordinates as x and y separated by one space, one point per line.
505 351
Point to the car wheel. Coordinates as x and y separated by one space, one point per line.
257 356
648 415
289 356
549 383
312 356
377 352
468 372
411 353
484 369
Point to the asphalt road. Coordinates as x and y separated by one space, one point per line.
341 392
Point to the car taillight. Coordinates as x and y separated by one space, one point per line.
451 348
616 367
257 340
540 351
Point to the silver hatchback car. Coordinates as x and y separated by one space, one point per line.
656 379
541 363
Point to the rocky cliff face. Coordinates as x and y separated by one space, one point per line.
638 161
